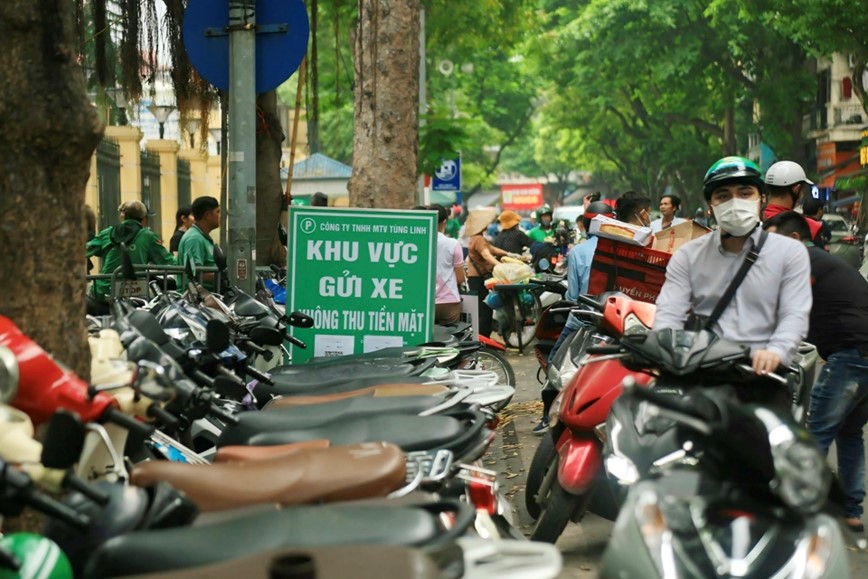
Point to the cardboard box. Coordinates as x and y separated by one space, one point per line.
672 238
619 231
623 266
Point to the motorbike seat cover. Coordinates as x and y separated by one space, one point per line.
340 473
304 416
321 525
242 453
359 562
287 386
408 432
382 391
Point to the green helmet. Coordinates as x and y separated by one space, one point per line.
545 209
40 557
732 169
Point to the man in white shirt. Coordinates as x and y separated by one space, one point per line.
771 307
669 206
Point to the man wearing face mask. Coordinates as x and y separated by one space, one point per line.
770 309
784 183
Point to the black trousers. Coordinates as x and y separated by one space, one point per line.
477 284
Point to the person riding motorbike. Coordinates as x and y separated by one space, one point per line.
543 228
769 309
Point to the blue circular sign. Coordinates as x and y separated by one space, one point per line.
282 32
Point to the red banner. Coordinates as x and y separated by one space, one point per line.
526 197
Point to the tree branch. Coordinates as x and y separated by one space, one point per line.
700 124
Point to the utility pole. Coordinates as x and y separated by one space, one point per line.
423 98
241 152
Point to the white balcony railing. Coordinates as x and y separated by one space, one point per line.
849 114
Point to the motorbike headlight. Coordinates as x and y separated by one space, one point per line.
655 533
555 410
633 325
622 469
814 552
801 478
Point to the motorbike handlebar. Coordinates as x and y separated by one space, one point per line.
115 416
20 486
296 342
604 350
257 375
162 416
75 483
218 412
589 301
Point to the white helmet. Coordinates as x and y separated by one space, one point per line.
784 173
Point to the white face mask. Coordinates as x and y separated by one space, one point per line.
737 217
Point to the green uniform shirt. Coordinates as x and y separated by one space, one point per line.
453 228
143 245
197 247
539 234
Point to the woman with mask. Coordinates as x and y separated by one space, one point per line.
770 308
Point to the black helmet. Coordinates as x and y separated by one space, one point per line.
732 169
594 209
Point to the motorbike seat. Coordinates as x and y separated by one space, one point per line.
409 432
291 386
244 453
350 408
322 525
341 473
383 391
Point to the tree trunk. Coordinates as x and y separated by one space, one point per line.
386 139
48 132
269 192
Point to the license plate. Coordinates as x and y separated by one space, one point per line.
131 289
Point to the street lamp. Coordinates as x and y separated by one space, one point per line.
161 113
217 135
192 127
117 93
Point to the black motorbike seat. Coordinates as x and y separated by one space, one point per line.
171 549
287 385
349 408
411 433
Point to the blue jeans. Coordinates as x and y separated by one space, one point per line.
839 411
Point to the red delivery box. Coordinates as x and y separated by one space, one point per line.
634 270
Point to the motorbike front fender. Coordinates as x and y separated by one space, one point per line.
579 462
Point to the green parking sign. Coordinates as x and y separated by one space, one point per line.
366 277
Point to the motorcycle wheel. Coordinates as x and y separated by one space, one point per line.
542 459
559 507
488 359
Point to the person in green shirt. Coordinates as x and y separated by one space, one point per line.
453 225
142 244
543 227
197 246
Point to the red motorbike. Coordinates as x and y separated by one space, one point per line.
566 477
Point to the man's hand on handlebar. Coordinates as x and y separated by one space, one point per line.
765 361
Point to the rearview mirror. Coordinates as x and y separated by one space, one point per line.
282 234
266 336
8 375
219 258
217 336
64 440
300 320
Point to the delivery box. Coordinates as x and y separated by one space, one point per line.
670 239
609 228
622 266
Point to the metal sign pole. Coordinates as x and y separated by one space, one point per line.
242 144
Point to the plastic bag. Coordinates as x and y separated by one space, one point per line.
512 273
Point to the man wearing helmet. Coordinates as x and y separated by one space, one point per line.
543 227
770 309
785 181
578 279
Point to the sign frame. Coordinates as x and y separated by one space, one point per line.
368 274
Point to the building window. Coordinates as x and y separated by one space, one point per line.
846 88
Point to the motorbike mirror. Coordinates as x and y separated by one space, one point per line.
229 388
266 336
543 264
8 375
300 320
282 234
220 258
148 326
217 336
127 269
152 381
64 440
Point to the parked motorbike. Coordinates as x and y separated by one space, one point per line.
566 477
695 513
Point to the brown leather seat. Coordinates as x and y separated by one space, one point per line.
340 473
384 390
243 453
